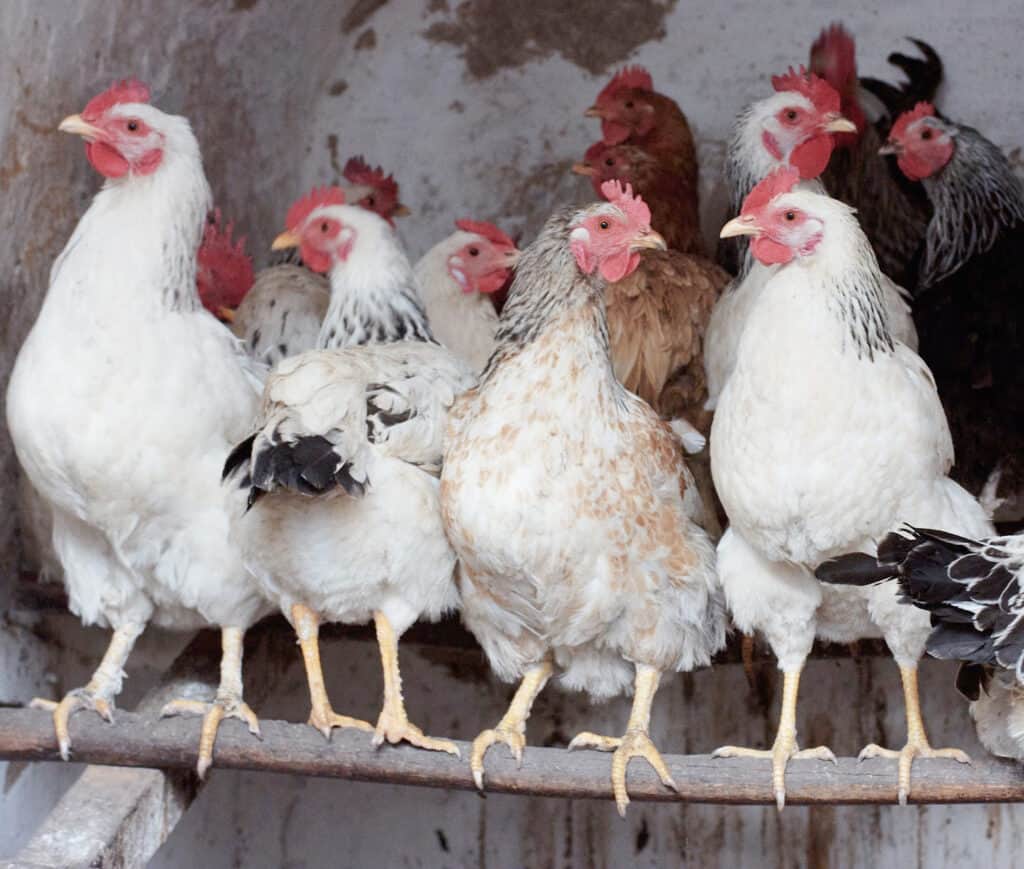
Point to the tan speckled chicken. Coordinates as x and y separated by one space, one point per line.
568 502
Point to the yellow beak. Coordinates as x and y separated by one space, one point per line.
890 148
75 125
839 124
740 226
650 240
593 112
583 169
226 314
286 240
401 210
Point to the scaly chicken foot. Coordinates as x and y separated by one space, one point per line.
393 724
511 730
917 739
635 743
321 716
98 694
785 747
227 704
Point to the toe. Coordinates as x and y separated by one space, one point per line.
42 703
594 741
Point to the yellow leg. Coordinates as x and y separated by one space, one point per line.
322 716
511 730
785 747
635 743
227 704
99 694
393 724
917 740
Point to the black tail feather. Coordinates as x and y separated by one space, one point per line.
924 76
239 456
854 569
308 465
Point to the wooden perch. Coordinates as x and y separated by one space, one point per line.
136 740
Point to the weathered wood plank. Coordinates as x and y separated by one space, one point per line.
138 740
120 816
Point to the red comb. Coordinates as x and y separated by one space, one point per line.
128 91
358 171
622 196
316 198
834 56
782 180
627 78
817 90
225 265
487 230
921 110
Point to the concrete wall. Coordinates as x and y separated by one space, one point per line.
476 107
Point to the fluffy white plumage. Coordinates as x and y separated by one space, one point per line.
343 468
827 436
465 322
123 400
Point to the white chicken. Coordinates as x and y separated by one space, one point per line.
828 434
123 400
794 127
342 471
456 277
568 501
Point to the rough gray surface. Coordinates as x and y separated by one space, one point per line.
476 107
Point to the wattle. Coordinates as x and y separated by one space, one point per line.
105 160
769 252
314 259
618 265
913 167
811 157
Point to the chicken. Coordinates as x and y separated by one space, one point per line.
892 214
223 269
342 470
282 313
967 291
146 393
795 127
657 184
456 278
972 591
658 314
828 434
633 113
568 502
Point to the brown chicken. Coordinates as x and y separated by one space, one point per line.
632 112
658 314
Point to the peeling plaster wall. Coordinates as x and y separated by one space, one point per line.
476 107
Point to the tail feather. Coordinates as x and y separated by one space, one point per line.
924 76
855 569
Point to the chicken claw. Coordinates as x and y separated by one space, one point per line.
917 740
222 707
636 743
393 723
511 730
781 753
79 698
906 755
227 704
514 739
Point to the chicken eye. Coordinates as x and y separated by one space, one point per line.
604 224
133 126
324 227
629 104
370 201
790 215
474 251
609 162
791 115
926 133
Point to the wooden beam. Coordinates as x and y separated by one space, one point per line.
121 816
138 740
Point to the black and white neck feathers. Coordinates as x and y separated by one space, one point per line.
548 284
374 296
976 198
